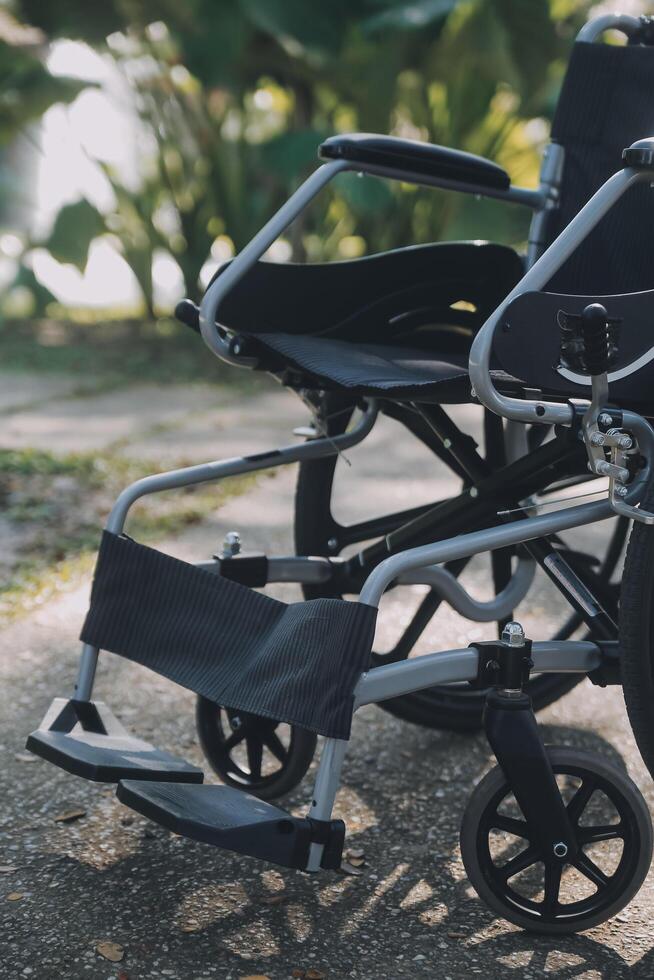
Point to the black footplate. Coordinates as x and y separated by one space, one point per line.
86 739
234 820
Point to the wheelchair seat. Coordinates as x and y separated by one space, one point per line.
396 325
376 370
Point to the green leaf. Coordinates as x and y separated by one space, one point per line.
318 28
365 195
288 154
74 229
27 89
411 16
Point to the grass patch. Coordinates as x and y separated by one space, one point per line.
62 502
116 353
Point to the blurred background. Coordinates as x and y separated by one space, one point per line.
142 142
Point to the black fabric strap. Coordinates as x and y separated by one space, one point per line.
297 663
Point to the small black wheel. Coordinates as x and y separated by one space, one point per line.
558 895
260 755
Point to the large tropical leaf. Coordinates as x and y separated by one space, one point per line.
27 90
317 28
411 15
74 229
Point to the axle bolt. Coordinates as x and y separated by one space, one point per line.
560 849
513 635
605 419
597 439
625 442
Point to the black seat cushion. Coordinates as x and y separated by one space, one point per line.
382 370
376 298
397 324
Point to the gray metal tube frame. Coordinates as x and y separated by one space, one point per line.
318 570
526 410
215 336
489 539
207 473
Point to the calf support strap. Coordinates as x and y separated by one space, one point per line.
297 663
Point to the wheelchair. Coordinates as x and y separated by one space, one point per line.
398 327
571 369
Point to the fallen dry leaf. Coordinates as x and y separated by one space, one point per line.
349 869
314 975
298 974
67 816
14 896
457 935
255 976
110 951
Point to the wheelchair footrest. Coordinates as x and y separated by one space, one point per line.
86 739
234 820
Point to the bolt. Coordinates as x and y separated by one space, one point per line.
597 439
231 544
514 635
235 723
474 492
625 442
332 544
605 419
603 468
621 491
560 849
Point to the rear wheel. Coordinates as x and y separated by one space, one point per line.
637 634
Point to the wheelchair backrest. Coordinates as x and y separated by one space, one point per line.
606 103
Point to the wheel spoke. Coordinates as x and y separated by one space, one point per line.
255 753
512 826
553 871
590 835
234 739
590 870
519 863
579 801
272 741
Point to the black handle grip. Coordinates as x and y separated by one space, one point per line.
596 339
188 313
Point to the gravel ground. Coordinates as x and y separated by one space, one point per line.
182 910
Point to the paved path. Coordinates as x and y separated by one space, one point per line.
184 911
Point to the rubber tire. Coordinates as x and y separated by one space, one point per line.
491 784
435 708
304 747
637 634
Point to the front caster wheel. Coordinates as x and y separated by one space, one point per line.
557 895
264 757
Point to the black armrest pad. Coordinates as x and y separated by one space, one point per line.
422 159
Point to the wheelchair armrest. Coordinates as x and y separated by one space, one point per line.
413 157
